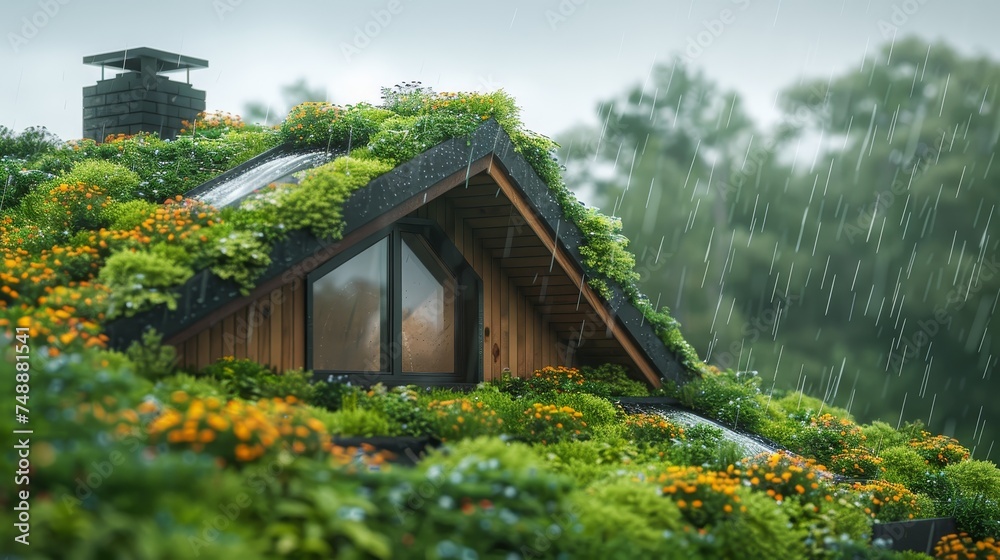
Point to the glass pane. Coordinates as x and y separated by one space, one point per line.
428 309
350 313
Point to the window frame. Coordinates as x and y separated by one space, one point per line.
468 322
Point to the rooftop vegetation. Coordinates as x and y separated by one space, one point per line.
120 204
133 458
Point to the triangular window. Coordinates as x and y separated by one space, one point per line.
403 306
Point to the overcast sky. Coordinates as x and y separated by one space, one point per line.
557 57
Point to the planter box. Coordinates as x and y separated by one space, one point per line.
919 535
405 450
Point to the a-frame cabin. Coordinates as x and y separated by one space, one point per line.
453 267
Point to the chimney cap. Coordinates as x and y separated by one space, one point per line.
131 59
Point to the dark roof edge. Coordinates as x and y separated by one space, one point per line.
205 292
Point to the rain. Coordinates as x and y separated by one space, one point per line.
809 190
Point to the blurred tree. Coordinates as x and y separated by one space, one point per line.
650 163
911 232
851 249
292 94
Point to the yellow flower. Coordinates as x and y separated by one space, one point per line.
243 452
241 431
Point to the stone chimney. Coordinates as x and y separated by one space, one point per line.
140 99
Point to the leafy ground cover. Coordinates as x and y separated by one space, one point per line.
141 460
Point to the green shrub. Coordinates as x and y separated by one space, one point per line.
905 466
461 418
201 387
242 377
324 125
403 407
837 529
589 461
248 143
487 451
728 397
292 383
331 392
356 421
30 142
400 139
881 435
975 478
252 381
596 410
140 280
316 203
606 251
150 358
611 380
704 445
474 505
887 501
356 172
846 549
825 436
652 429
938 486
128 215
148 507
939 450
165 168
117 180
761 530
507 408
624 520
856 463
66 208
546 423
778 430
606 381
238 256
803 407
977 516
19 178
543 382
311 511
75 399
